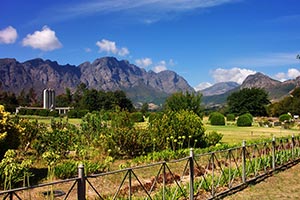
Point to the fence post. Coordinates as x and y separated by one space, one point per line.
129 180
273 153
191 159
164 179
81 183
244 161
293 146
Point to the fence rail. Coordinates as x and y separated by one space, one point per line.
198 176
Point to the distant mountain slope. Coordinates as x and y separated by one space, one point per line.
219 88
106 73
275 89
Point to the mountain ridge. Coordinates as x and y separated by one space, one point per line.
106 73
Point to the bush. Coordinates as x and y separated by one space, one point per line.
69 168
217 119
53 113
72 114
250 116
182 129
137 117
285 118
244 120
230 117
82 113
43 112
10 132
22 111
213 138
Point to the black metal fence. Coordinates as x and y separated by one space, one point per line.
198 176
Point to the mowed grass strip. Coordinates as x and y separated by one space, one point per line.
283 185
233 134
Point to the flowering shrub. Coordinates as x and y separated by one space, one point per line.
9 132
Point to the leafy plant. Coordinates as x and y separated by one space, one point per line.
213 138
13 170
217 119
244 120
230 117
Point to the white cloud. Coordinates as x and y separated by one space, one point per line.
202 86
148 11
291 74
234 74
88 50
161 66
143 62
267 60
8 35
123 51
280 76
111 47
45 40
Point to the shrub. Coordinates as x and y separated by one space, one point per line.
213 138
250 116
43 112
72 114
14 170
10 132
137 117
53 113
285 118
177 130
30 112
22 111
244 120
230 117
82 113
217 119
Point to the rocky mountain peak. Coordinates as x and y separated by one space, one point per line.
259 80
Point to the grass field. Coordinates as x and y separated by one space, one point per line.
283 185
231 133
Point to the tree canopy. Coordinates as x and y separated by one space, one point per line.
289 104
180 101
248 100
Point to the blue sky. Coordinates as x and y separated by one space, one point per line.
204 41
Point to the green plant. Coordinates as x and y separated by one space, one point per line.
9 132
285 118
217 119
13 170
137 117
213 138
244 120
230 117
177 130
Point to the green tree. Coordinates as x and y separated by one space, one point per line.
188 101
289 104
248 100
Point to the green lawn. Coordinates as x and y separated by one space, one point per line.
234 135
231 133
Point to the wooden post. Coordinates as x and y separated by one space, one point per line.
191 159
81 183
244 161
273 154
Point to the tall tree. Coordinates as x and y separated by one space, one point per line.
184 101
248 100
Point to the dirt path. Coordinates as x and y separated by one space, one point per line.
282 185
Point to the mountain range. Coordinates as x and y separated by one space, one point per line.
105 73
110 74
275 89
